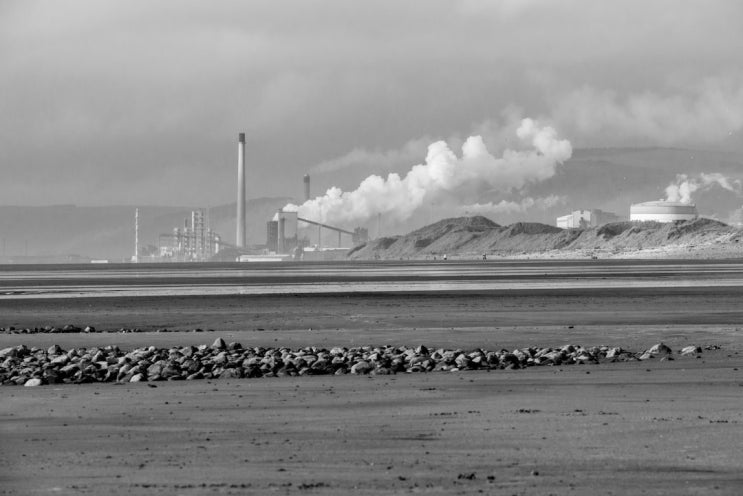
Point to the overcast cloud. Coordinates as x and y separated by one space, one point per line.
140 102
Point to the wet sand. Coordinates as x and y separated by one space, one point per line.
671 427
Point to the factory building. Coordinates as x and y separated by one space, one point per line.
282 235
281 232
586 218
194 242
360 236
663 211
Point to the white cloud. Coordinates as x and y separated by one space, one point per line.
706 113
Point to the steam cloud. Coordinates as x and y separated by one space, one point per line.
444 177
510 207
682 189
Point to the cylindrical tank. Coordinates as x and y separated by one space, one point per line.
663 211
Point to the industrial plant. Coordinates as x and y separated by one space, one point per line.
288 236
663 211
194 242
283 237
652 211
586 218
292 237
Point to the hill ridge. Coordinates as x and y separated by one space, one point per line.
474 237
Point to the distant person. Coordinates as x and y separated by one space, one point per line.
484 257
446 258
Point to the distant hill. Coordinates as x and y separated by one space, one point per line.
473 237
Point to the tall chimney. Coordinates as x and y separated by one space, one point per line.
240 241
135 259
306 187
281 245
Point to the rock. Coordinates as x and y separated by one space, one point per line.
33 382
6 352
230 374
137 378
170 370
691 350
510 359
220 358
155 369
219 344
613 352
462 361
660 349
60 361
361 367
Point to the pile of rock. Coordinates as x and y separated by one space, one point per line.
65 329
71 328
21 365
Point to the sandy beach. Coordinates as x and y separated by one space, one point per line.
641 427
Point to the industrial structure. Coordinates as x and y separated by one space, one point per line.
194 242
282 234
663 211
240 235
586 218
306 187
135 258
283 239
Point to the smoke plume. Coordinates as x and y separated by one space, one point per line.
682 189
511 207
444 178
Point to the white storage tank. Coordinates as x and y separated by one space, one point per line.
663 211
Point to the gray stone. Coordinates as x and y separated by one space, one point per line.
660 349
6 352
137 378
361 367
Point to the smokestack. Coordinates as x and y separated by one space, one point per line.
240 241
136 236
306 187
281 248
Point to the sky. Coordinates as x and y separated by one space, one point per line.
137 102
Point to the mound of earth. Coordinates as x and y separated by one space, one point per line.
475 237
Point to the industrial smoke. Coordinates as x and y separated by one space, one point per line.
444 177
682 189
